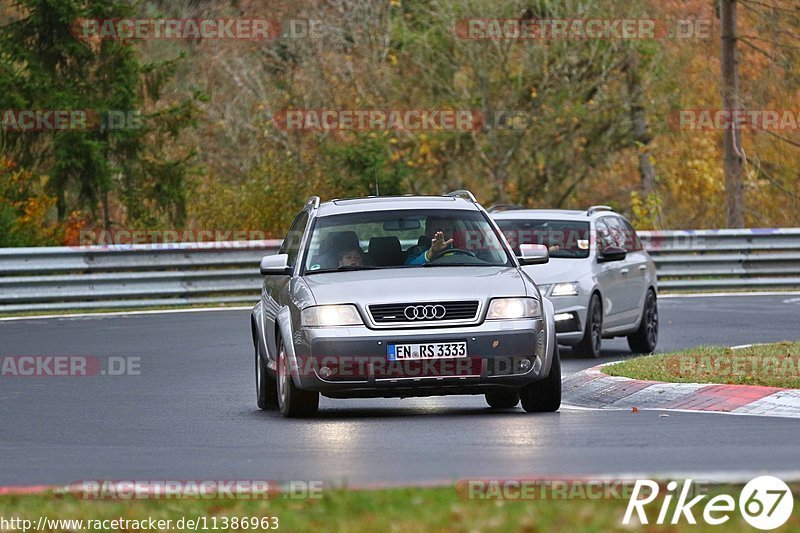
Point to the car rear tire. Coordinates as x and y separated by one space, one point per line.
544 396
645 338
502 400
293 402
593 331
266 386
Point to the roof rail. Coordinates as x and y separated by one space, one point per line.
463 193
496 208
313 201
597 208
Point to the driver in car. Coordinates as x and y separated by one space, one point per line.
439 233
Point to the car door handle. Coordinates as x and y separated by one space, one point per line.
642 267
624 271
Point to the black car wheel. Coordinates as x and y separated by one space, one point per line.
544 396
593 330
646 337
266 386
502 400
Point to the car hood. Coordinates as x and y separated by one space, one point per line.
415 284
557 270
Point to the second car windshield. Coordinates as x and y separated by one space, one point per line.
403 239
563 238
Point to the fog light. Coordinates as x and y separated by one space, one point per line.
325 372
525 365
567 322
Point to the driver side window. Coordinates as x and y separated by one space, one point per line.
604 239
632 242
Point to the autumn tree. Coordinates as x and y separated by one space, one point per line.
44 66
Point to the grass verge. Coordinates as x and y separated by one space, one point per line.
407 509
771 365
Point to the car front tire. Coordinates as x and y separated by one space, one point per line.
293 402
502 400
544 396
645 338
593 331
266 386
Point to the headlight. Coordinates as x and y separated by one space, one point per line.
565 289
330 315
510 308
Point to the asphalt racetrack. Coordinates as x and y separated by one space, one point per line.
190 413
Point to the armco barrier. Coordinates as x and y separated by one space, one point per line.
141 275
727 259
44 279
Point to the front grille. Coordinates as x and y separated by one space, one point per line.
424 312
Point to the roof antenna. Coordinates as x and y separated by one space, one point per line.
377 190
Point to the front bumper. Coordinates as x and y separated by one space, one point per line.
569 331
353 362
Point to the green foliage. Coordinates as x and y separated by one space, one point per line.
645 210
45 67
364 167
24 209
8 222
236 170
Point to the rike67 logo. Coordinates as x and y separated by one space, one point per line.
765 503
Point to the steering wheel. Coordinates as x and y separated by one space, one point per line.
453 251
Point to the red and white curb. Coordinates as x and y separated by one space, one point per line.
593 389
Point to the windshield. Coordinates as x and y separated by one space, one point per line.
403 239
563 238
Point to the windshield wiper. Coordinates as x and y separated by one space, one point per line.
459 264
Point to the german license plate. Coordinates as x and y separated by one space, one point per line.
434 350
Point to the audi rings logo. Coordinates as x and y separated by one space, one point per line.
425 312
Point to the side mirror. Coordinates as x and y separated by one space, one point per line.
533 254
275 265
612 253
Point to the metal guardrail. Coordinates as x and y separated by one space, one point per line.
46 279
698 260
126 276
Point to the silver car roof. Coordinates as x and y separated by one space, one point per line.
388 203
554 214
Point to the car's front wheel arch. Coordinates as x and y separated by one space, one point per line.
293 402
283 330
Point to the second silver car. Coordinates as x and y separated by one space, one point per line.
600 279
